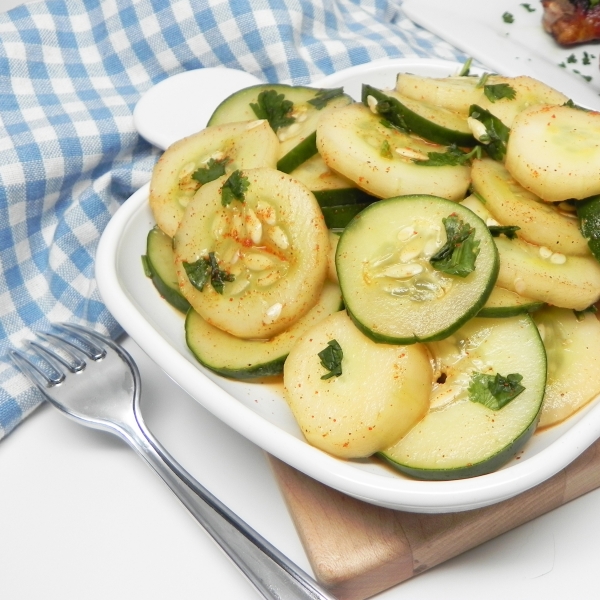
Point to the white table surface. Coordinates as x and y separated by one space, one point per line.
82 518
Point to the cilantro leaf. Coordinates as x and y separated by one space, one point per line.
466 68
385 150
496 132
323 96
331 359
528 7
206 270
274 108
499 91
494 391
213 170
580 314
452 157
510 231
457 256
508 17
234 188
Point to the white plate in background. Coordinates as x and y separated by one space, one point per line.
519 48
259 412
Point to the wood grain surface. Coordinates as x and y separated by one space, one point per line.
358 550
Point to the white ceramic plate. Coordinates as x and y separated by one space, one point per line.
259 412
518 48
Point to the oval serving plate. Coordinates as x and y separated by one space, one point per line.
259 412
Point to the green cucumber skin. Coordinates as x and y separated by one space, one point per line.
417 124
337 217
298 154
342 196
588 212
484 467
170 294
501 312
269 369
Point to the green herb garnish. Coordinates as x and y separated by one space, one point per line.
528 7
571 58
580 314
499 91
466 68
331 359
496 135
494 391
452 157
211 171
234 188
510 231
457 256
206 270
385 151
274 108
324 96
508 17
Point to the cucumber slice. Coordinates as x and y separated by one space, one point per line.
381 393
505 303
390 288
428 121
459 93
295 127
381 159
235 146
573 348
588 212
460 438
554 152
533 271
329 188
232 357
509 203
161 262
273 243
337 217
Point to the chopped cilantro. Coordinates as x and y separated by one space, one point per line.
494 391
498 92
580 314
496 132
571 58
510 231
206 270
385 150
391 125
457 256
452 157
466 68
323 96
274 108
211 171
331 359
528 7
508 17
234 188
586 60
483 80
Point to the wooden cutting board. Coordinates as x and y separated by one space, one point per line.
358 550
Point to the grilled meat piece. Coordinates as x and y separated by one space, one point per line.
572 21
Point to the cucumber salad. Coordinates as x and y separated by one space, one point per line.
420 266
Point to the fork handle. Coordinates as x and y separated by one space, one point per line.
272 573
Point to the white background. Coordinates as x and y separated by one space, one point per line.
82 518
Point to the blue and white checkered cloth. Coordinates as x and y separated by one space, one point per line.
71 72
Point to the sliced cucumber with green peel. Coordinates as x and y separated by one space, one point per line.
329 188
428 121
572 345
337 217
161 263
588 212
505 303
459 437
535 272
292 111
250 359
392 290
252 265
192 161
382 160
510 203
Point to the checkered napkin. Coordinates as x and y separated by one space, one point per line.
71 72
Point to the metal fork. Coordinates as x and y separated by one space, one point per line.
96 382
